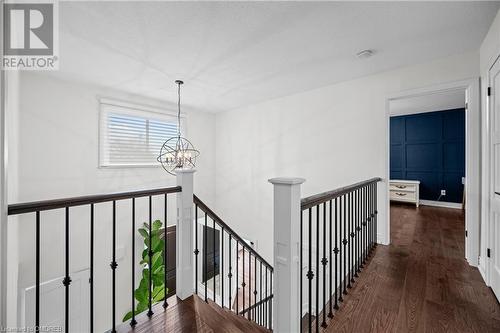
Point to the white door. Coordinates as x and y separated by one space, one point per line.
52 304
494 190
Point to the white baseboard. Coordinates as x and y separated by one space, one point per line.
481 267
444 204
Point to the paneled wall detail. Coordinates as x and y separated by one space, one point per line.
430 147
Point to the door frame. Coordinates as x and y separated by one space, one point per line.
472 157
486 266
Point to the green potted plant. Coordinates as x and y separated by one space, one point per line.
157 270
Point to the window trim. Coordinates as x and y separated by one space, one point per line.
135 109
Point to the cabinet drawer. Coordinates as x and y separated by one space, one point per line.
403 187
403 195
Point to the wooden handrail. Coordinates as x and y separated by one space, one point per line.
37 206
221 223
317 199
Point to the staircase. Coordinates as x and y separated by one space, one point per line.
191 315
321 244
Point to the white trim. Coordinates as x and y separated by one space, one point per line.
489 204
443 204
472 168
482 268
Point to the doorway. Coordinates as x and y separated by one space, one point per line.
447 187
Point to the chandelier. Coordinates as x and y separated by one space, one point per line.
178 153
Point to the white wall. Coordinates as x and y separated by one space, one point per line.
12 118
489 52
332 136
57 141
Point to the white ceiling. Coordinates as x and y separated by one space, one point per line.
233 54
439 101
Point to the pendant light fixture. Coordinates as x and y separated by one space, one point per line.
178 153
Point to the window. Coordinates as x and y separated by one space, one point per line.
132 135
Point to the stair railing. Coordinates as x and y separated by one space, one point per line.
92 202
322 243
233 274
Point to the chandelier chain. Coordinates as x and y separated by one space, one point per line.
179 109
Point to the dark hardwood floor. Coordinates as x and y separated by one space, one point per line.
421 282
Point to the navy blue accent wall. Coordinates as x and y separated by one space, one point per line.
430 147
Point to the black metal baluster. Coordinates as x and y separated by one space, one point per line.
336 251
365 221
324 262
271 301
353 236
310 274
165 303
243 284
363 227
237 273
341 250
267 304
255 288
260 298
37 277
133 322
67 279
249 285
317 268
221 273
113 266
205 255
362 207
91 278
150 255
348 212
301 265
374 217
356 233
370 226
344 242
230 274
214 263
196 251
351 242
371 217
358 229
330 248
367 218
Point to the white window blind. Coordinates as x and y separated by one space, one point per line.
132 135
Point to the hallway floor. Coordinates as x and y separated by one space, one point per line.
421 282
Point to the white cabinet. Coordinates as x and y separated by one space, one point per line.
405 190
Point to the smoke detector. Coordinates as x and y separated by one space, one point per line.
365 54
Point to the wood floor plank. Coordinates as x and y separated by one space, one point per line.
421 282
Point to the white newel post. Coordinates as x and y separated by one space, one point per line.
184 235
286 314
